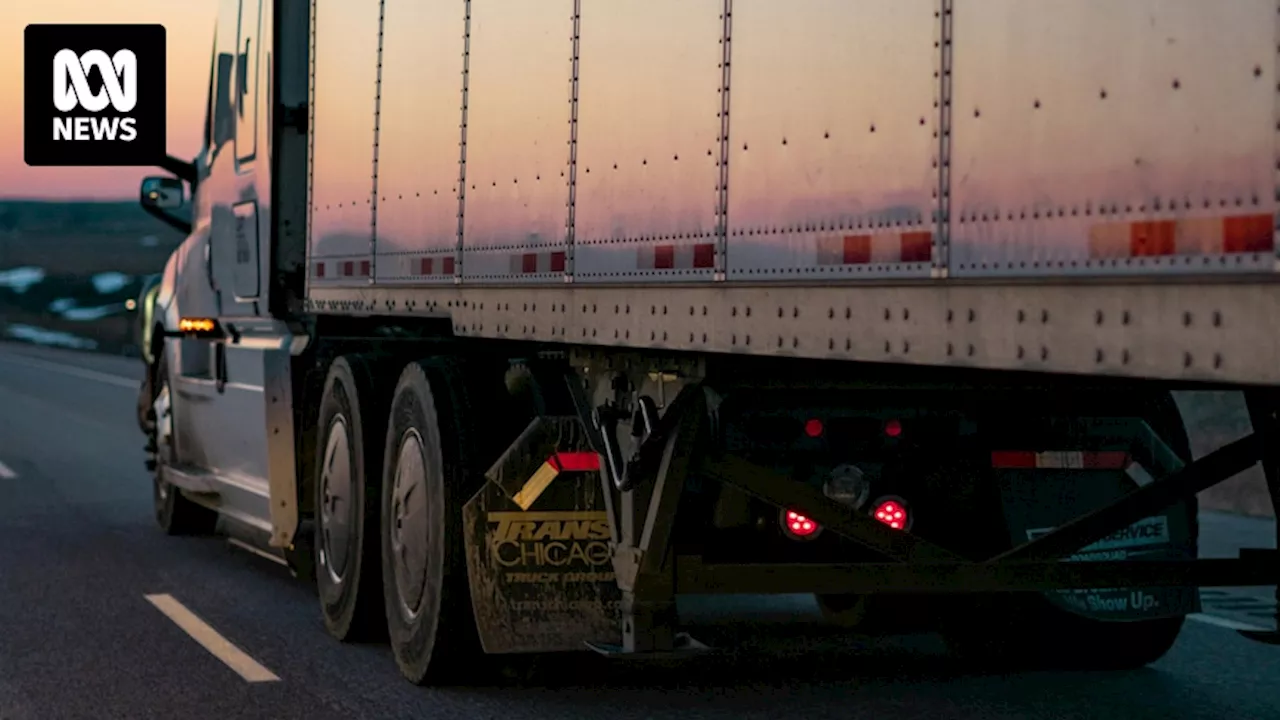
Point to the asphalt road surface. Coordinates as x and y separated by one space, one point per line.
103 617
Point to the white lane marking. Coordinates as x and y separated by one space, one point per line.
220 647
6 473
72 370
1225 623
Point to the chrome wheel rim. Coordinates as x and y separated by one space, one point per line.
408 524
335 501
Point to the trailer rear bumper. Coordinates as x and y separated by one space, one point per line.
693 577
650 574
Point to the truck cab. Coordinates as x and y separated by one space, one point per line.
219 281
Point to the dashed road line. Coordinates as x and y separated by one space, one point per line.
7 473
220 647
1226 623
1239 609
71 370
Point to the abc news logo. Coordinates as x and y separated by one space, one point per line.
94 95
71 90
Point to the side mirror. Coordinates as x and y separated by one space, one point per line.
159 195
162 193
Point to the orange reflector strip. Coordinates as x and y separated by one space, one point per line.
1068 460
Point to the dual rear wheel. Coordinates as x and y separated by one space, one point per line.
392 476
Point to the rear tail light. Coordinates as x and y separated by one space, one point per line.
893 428
813 428
892 511
798 526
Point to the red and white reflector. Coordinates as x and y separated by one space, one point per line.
1061 460
893 247
1202 236
892 512
799 526
558 463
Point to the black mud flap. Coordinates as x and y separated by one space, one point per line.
538 554
1038 500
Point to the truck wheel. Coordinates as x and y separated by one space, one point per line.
348 473
175 513
1027 632
424 569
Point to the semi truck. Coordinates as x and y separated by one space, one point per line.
509 323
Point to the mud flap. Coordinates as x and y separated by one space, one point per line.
1038 500
538 555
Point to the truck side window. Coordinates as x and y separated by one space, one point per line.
208 103
223 113
247 80
224 119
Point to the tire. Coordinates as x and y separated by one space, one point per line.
348 477
1016 634
175 513
425 484
846 611
1026 632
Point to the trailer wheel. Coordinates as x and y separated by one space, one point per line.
1027 634
348 477
175 513
1020 632
847 611
426 483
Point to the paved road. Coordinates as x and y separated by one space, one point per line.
79 638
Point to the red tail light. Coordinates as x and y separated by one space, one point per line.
892 512
799 526
813 428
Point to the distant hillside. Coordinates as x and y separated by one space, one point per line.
83 238
69 270
56 216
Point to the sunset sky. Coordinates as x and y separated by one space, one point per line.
189 25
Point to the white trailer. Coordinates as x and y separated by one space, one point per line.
886 297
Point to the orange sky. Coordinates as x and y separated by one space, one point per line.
189 26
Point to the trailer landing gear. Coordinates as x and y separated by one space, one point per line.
643 560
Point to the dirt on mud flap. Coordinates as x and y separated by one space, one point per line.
1037 502
538 556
